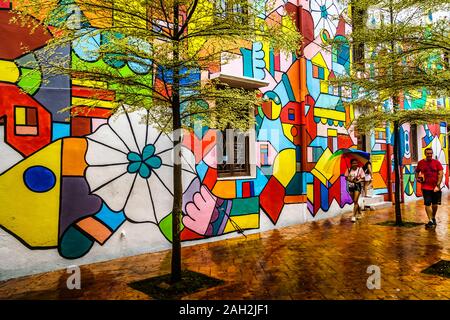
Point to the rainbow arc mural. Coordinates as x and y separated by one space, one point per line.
71 183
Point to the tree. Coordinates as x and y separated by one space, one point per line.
169 43
398 52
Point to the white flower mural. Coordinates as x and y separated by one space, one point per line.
326 16
130 166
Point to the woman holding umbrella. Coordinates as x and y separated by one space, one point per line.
355 177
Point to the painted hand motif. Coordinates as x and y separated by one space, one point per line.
201 212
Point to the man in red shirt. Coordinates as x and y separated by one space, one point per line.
429 173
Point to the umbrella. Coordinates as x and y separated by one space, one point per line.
340 160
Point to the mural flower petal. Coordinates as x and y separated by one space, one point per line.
138 181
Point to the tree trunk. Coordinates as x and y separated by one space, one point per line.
398 210
177 176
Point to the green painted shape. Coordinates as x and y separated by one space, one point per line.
294 187
74 244
245 206
30 80
165 225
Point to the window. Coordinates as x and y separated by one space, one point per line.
359 16
413 143
26 121
233 154
238 9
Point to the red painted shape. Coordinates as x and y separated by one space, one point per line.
210 178
187 234
272 199
80 126
284 115
16 40
334 192
344 141
277 61
5 4
435 129
200 147
246 192
91 93
340 31
11 96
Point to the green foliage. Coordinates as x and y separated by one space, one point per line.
405 52
144 33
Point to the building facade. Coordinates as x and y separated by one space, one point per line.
88 188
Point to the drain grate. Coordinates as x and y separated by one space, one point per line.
441 268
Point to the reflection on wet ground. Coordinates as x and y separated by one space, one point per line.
326 259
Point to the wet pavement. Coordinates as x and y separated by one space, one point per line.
327 259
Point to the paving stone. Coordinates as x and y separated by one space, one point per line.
326 259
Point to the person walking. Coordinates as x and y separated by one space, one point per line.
429 173
355 176
367 177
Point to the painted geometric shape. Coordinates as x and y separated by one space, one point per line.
320 171
33 217
245 206
76 202
272 199
60 130
39 179
285 166
9 71
248 189
73 161
5 4
81 126
112 219
250 221
31 37
95 229
74 244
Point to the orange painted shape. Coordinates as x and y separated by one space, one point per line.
95 229
73 161
295 199
225 189
294 77
378 181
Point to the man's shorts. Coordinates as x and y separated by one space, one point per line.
430 197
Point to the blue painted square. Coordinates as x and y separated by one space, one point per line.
60 130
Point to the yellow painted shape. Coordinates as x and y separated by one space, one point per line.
329 114
20 116
310 192
90 84
287 131
323 168
225 189
377 161
93 103
31 216
249 221
9 71
284 166
276 110
332 132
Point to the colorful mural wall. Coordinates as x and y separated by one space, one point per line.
92 187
